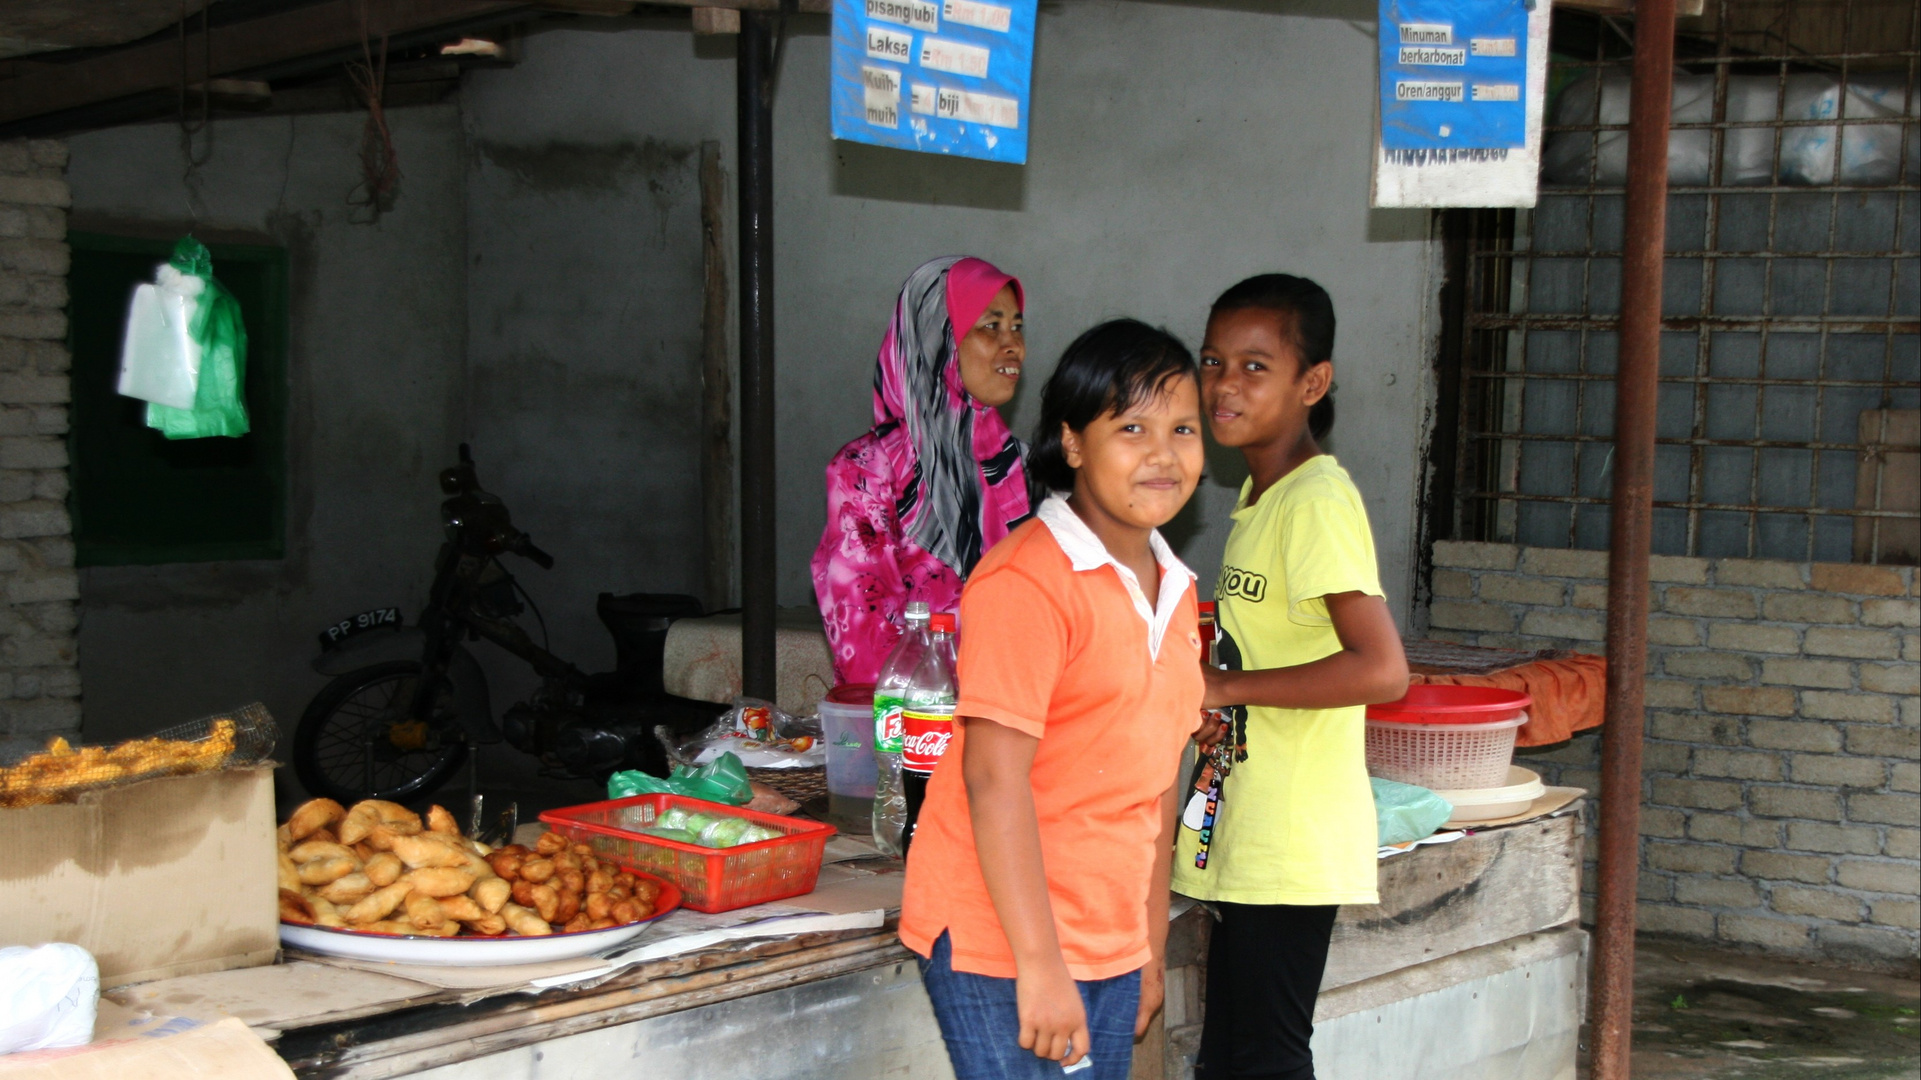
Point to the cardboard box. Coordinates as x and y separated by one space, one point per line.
165 877
226 1049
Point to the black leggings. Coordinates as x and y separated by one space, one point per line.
1264 968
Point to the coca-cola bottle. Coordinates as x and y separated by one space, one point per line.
890 694
927 718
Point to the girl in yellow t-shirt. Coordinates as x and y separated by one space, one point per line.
1289 834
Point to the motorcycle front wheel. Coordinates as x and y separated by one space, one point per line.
356 740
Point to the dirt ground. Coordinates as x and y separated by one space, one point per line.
1701 1014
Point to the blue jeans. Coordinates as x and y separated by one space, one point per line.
980 1022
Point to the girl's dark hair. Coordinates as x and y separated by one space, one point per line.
1312 320
1107 370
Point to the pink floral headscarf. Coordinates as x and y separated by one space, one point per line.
965 478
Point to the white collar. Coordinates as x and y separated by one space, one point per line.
1085 552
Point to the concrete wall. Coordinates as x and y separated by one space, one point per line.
584 328
1173 153
39 679
536 290
376 379
1783 729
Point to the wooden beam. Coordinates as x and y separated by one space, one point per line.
716 20
241 47
589 7
1626 7
805 7
233 93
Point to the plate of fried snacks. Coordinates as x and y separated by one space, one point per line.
62 772
378 882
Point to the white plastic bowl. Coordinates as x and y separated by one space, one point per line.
1485 804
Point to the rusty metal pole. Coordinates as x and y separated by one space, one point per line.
1630 538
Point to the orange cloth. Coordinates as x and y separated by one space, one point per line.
1568 694
1062 655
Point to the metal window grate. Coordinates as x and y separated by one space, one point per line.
1791 346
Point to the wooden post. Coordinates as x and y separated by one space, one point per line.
716 387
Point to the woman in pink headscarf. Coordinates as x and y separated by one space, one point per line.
914 503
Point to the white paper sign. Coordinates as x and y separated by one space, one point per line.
1463 177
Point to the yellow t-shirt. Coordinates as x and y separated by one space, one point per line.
1296 820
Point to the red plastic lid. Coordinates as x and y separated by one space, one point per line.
860 693
1207 607
1452 705
941 622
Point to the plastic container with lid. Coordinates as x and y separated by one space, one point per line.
847 726
1446 738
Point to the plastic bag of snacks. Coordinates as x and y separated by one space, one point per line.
759 734
722 780
63 771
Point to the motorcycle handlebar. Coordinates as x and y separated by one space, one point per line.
524 547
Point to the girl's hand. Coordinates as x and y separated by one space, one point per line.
1370 668
1219 693
1153 993
1212 730
1053 1020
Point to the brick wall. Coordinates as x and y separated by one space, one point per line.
39 682
1780 804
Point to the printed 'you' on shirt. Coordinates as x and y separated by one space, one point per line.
1296 821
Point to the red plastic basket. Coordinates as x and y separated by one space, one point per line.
1443 704
1447 738
710 879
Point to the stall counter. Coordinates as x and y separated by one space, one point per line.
1471 966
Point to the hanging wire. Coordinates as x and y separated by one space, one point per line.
190 178
379 162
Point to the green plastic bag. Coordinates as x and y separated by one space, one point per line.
218 405
722 780
1403 812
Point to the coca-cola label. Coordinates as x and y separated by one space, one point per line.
887 725
924 738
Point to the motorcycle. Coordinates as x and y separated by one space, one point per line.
407 706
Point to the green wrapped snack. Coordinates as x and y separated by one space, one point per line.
666 833
754 834
723 832
675 817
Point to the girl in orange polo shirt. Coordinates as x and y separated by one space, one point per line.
1035 883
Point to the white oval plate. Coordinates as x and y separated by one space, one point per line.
471 951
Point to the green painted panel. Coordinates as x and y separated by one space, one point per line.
137 497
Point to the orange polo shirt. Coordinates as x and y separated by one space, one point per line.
1059 642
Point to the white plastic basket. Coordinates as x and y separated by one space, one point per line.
1442 756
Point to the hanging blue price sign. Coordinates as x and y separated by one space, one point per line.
1453 74
940 76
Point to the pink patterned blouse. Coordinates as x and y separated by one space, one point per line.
914 503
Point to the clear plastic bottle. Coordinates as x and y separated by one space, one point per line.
927 717
890 693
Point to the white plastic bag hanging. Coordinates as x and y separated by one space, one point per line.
160 357
48 997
